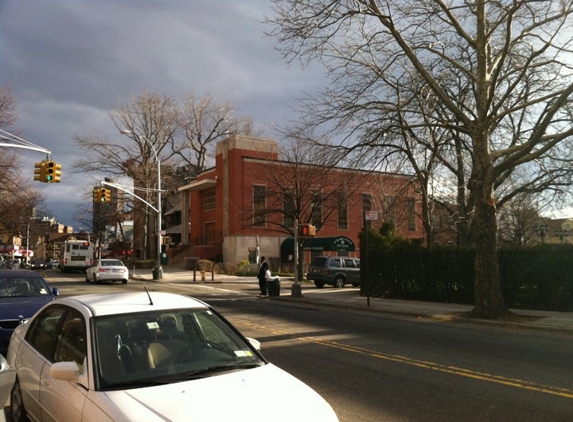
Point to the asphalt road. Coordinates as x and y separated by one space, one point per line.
374 367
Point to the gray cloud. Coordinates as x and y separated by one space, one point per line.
68 62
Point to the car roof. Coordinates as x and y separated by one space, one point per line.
131 302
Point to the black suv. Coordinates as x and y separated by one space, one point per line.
334 270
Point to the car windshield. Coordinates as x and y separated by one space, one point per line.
143 349
28 285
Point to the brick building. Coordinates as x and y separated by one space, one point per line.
239 205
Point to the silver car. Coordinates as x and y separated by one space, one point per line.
107 270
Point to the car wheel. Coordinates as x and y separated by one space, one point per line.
355 284
339 281
95 279
124 281
87 278
17 410
319 284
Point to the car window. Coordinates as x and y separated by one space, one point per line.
335 263
145 345
357 261
349 263
23 286
42 333
318 262
112 263
71 344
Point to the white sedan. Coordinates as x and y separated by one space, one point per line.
148 357
107 270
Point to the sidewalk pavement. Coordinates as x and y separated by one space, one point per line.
349 298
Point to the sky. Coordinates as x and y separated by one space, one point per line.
69 62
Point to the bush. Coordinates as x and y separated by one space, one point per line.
140 263
244 269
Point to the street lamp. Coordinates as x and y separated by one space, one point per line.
159 273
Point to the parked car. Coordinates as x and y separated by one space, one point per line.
334 270
7 377
22 293
107 270
52 263
139 356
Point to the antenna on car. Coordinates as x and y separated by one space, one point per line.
149 296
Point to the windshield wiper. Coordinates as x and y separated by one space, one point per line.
136 383
210 370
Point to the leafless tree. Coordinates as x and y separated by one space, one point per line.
203 121
518 220
17 196
180 134
7 107
148 125
509 108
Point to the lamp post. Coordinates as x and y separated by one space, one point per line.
159 270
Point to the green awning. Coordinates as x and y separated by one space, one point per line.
335 243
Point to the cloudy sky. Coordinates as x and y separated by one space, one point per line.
68 62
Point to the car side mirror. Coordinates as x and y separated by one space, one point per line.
67 371
55 291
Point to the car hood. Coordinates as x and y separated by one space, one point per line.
13 307
253 395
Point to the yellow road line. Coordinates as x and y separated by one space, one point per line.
482 376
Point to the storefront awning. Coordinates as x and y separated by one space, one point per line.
335 243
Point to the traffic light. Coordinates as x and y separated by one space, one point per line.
306 230
56 172
49 169
97 195
107 196
102 193
39 172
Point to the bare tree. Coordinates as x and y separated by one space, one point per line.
511 106
148 124
17 196
518 220
7 107
203 121
153 123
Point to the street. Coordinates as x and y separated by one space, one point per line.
373 367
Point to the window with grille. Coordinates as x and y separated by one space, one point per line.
209 200
259 205
342 211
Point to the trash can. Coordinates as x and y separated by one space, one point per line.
274 287
157 273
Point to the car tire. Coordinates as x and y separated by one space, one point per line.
339 281
17 410
87 278
319 284
355 284
95 280
124 281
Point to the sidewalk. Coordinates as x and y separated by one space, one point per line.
349 298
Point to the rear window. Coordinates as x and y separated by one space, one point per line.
112 263
319 262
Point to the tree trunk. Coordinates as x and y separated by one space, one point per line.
488 301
